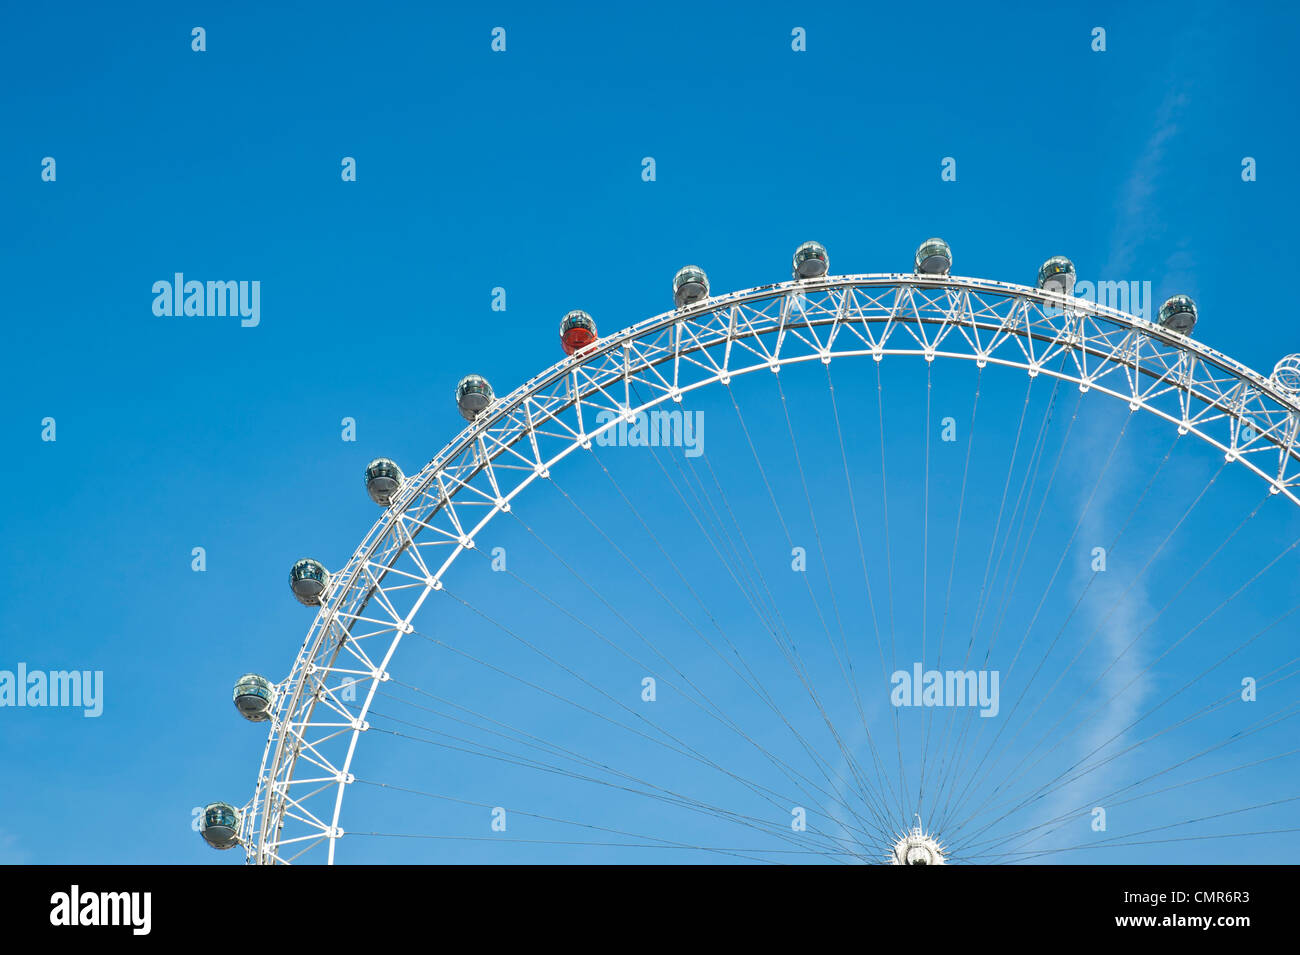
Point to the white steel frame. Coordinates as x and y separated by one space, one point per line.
321 707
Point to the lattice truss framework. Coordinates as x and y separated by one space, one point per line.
321 707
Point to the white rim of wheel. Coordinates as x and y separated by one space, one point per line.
370 603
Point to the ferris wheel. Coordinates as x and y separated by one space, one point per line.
775 738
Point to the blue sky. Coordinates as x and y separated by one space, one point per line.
522 170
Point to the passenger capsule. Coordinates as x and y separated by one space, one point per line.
1286 374
690 285
309 579
577 330
933 258
473 395
220 825
254 697
383 478
1057 275
1178 314
811 261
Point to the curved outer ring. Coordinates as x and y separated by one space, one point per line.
523 434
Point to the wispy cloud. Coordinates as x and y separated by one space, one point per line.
11 852
1114 611
1137 219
